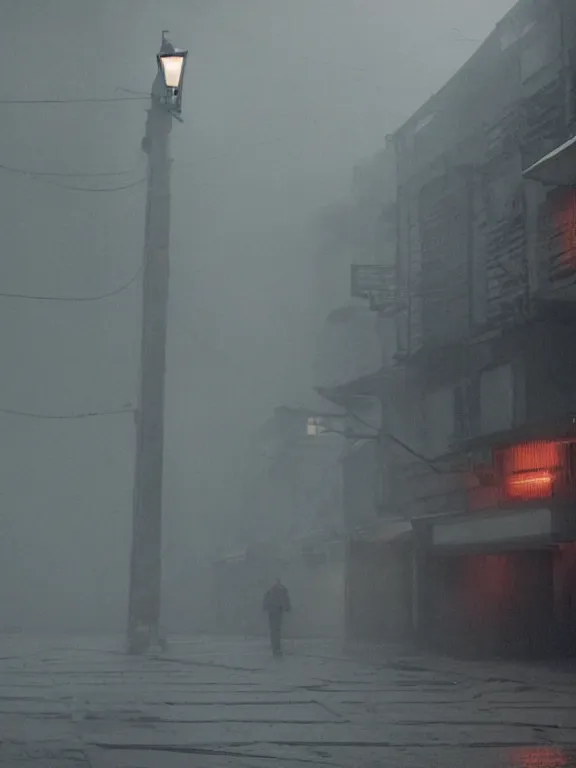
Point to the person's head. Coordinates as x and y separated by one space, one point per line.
278 582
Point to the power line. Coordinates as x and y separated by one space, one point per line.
389 436
119 188
66 417
87 100
429 462
143 94
98 297
60 174
44 178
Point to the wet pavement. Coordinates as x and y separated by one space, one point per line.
81 703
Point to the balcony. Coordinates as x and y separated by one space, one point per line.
355 351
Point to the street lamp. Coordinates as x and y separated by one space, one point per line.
145 562
171 66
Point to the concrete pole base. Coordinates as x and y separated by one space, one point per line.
144 640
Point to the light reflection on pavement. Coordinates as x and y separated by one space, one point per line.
540 757
69 703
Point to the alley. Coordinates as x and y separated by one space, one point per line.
84 704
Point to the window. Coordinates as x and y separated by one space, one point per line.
535 470
440 421
505 189
529 470
460 412
534 58
497 399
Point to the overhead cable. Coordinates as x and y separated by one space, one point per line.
119 188
47 177
389 436
97 297
81 100
61 174
65 416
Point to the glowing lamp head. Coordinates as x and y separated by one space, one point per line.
171 66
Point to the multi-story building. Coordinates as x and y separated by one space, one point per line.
477 445
486 321
352 232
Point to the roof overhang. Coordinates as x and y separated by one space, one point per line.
557 168
232 557
497 530
364 386
384 532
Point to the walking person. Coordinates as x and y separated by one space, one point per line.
276 602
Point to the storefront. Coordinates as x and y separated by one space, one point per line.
498 582
379 584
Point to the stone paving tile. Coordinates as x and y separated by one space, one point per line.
77 703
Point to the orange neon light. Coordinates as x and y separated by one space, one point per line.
565 221
539 469
530 485
530 470
531 456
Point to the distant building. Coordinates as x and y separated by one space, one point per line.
354 366
290 525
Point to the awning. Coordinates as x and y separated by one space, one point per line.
497 528
557 167
364 386
232 557
385 532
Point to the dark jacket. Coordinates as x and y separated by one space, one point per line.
277 599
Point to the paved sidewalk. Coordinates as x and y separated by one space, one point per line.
81 703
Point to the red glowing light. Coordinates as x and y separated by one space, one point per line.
541 469
530 469
528 457
565 224
530 485
540 757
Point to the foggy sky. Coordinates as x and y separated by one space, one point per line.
282 98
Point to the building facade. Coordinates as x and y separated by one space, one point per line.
461 506
486 271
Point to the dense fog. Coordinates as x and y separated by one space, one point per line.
282 99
